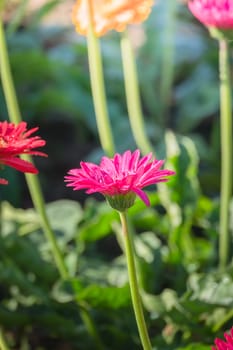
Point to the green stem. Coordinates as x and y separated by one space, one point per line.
3 342
38 201
32 180
226 151
98 89
167 61
136 298
87 320
7 81
133 95
227 317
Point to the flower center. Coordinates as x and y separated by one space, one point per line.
3 143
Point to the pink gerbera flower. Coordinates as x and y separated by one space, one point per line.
15 140
119 179
224 345
213 13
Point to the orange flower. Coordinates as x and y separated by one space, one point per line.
109 14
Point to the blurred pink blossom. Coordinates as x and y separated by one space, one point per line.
213 13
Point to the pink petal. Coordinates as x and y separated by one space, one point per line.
144 160
117 162
108 165
142 195
133 164
125 161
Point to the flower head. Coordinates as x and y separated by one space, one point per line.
119 179
213 13
16 140
224 345
109 14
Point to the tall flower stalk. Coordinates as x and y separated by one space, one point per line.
133 95
98 87
33 182
226 151
217 16
3 342
167 60
133 283
96 18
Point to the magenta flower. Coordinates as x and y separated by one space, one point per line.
119 179
213 13
224 345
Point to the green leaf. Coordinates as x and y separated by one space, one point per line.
64 216
22 264
98 223
213 288
118 274
194 346
18 17
198 97
22 288
103 296
42 12
181 203
27 220
160 304
149 261
182 157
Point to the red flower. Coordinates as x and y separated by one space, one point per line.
224 345
213 13
123 176
15 140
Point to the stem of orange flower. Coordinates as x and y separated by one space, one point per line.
98 88
133 95
133 282
33 182
226 151
3 342
167 58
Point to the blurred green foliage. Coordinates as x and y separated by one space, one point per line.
188 302
50 70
